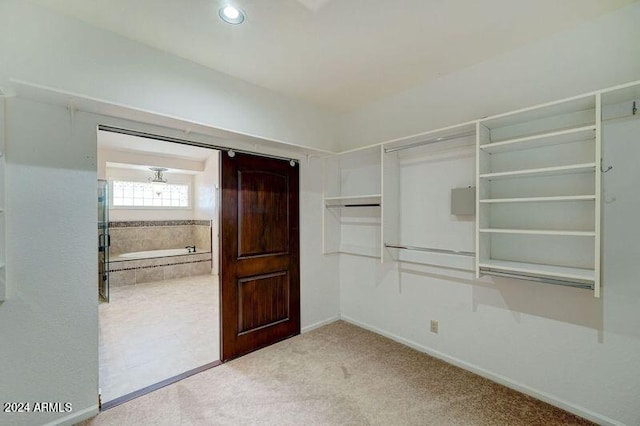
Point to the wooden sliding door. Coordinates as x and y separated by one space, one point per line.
260 261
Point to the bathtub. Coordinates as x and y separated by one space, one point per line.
156 253
158 265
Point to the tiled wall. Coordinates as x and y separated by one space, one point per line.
132 236
128 272
202 235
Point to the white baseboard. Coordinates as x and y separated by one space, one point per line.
319 324
542 396
76 417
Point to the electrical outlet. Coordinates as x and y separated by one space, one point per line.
434 326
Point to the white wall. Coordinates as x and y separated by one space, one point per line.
44 47
206 196
206 189
594 55
319 283
49 322
557 343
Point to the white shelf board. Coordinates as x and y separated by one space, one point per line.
538 232
354 199
539 269
574 134
561 107
540 199
544 171
360 250
628 92
431 135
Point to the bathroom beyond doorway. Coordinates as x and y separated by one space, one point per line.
160 320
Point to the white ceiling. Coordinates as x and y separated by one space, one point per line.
337 53
138 145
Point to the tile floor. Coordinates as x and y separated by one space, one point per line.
153 331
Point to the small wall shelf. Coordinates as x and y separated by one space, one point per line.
373 200
541 172
541 199
352 203
537 232
541 140
552 271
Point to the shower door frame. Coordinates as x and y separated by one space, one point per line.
104 240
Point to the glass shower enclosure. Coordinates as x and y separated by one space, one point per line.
103 240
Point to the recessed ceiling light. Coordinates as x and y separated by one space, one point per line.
231 15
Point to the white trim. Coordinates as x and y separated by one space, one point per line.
76 417
80 102
48 94
319 324
505 381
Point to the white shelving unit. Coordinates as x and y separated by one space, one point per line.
3 221
418 175
538 193
352 203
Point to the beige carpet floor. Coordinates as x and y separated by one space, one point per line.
336 375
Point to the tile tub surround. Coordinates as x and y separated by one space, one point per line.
133 236
137 271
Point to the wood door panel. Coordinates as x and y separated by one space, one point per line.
262 301
263 219
259 253
262 265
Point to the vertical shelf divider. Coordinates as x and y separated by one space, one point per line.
3 198
598 203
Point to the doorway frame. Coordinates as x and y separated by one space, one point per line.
222 150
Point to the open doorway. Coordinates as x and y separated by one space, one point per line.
159 316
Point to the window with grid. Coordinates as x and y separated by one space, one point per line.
144 194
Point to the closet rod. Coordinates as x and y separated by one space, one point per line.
432 250
430 141
354 205
536 279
